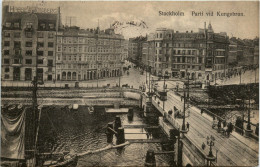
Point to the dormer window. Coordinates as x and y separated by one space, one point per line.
29 25
51 26
42 26
8 24
16 25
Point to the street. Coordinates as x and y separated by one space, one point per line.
232 151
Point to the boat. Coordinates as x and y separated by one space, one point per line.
19 137
91 109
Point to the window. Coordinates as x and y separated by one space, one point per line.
6 52
8 24
200 60
16 61
49 77
40 44
6 76
199 67
29 25
17 52
160 51
50 44
51 26
7 69
28 34
50 53
6 61
17 34
64 57
40 34
28 52
28 61
28 44
42 26
40 53
7 43
160 35
17 44
59 48
59 56
16 25
50 62
50 35
7 34
40 61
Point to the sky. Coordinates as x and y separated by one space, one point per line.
87 14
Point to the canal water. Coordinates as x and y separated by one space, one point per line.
79 131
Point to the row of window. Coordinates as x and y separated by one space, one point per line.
89 41
27 61
29 25
17 44
184 67
28 34
89 57
178 52
27 53
88 49
85 66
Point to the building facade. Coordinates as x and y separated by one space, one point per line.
29 39
243 52
135 51
89 54
202 54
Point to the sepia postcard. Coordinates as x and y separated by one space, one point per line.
129 83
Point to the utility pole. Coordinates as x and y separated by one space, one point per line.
149 80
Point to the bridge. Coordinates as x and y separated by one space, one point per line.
235 150
91 96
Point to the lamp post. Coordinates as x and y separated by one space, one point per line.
248 129
186 96
210 157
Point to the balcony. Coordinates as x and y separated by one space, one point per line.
17 62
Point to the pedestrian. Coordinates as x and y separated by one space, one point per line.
219 125
188 125
201 111
203 146
147 135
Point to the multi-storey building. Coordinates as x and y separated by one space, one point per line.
136 49
202 54
89 54
242 52
125 51
29 40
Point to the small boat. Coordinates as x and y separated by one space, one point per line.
91 110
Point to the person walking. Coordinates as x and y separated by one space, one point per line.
188 126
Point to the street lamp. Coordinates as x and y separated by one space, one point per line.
210 143
210 157
186 96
